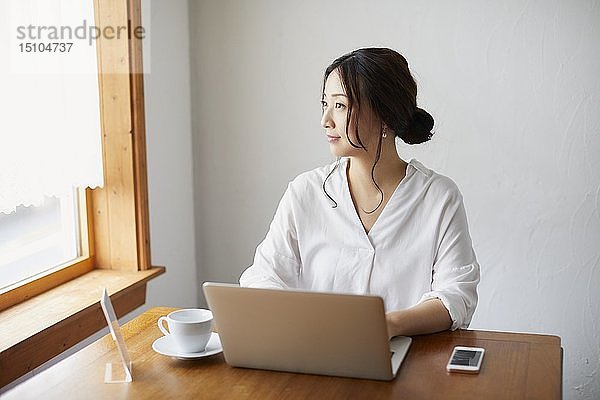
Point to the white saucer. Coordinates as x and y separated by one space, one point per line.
165 346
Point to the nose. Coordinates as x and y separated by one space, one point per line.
326 120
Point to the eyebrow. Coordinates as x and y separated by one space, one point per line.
335 95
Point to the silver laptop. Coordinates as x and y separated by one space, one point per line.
305 332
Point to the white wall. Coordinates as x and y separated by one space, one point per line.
514 89
169 153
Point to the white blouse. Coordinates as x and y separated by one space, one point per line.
419 247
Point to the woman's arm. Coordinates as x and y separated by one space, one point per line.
429 316
455 274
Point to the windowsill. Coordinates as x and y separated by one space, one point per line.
42 327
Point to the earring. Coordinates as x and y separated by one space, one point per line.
384 132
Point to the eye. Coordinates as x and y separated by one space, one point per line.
323 104
340 105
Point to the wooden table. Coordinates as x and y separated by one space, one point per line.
516 366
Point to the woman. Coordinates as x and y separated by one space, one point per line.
371 223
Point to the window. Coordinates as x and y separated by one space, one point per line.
35 239
40 323
50 135
115 218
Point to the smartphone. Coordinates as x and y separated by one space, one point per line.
465 359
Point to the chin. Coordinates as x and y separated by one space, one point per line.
342 151
337 153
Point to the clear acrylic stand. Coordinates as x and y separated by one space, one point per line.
115 372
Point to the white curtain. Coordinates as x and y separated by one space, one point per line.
50 136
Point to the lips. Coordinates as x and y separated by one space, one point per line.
331 139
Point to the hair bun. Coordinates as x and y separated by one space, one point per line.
419 130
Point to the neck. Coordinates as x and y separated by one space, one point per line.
389 171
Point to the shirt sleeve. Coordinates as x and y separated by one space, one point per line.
277 260
455 273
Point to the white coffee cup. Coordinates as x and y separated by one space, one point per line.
189 329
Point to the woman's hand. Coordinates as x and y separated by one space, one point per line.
428 317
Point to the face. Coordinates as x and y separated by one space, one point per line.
335 111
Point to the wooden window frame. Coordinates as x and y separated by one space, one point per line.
117 218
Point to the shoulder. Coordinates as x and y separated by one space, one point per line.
435 184
306 189
312 178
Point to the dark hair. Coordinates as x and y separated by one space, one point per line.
380 79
